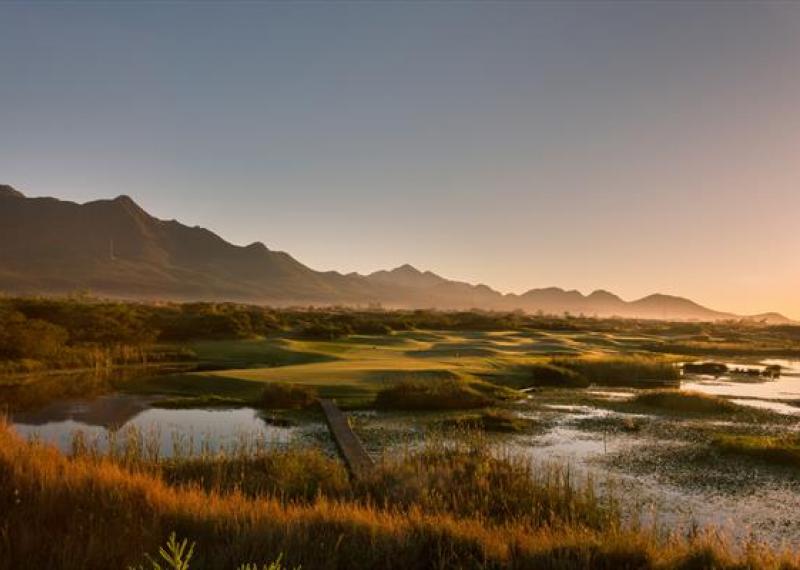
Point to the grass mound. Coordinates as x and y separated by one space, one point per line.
686 401
580 372
775 450
282 396
449 394
549 374
630 371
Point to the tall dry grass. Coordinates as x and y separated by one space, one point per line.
93 513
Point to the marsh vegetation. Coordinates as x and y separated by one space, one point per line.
501 440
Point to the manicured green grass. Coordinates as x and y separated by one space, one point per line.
352 371
256 353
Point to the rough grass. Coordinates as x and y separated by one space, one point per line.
449 394
205 401
686 402
777 450
501 421
617 370
549 374
605 370
298 475
279 396
441 512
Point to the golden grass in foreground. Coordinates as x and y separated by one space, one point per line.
87 513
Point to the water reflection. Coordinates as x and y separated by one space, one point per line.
54 407
33 391
757 391
186 431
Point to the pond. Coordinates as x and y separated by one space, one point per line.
107 417
757 391
45 409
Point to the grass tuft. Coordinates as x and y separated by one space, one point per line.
780 450
449 394
686 402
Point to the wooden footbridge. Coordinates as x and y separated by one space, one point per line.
356 458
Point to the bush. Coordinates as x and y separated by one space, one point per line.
22 338
281 396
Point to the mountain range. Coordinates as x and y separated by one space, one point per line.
114 248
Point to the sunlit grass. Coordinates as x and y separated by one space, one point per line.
686 401
777 450
447 507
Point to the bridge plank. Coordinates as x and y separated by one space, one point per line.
350 447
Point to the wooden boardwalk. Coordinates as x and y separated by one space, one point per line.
352 450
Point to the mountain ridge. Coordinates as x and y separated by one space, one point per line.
115 248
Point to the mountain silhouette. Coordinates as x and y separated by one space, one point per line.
115 248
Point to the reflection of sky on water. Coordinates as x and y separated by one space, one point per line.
768 509
753 391
120 414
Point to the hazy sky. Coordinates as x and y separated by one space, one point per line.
638 148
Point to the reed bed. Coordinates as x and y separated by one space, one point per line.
447 506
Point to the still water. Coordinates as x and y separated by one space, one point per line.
53 408
781 395
190 430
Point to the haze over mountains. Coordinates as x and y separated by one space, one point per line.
114 248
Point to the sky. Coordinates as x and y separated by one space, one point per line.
634 147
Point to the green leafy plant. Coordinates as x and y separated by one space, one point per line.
175 554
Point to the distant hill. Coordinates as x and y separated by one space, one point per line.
115 248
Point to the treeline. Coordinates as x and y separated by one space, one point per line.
71 332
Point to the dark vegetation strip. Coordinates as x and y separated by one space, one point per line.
40 333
